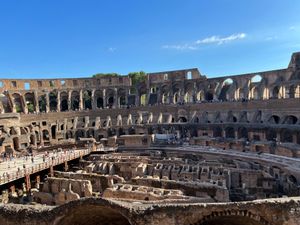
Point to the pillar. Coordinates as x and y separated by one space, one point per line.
69 100
51 171
116 102
27 182
66 167
47 102
38 181
36 100
94 103
80 100
58 101
104 98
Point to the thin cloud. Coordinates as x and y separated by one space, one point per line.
221 40
180 47
209 40
292 28
111 49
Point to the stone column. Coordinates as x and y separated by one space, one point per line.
36 99
24 105
47 102
69 100
159 96
94 103
104 98
80 100
58 101
137 99
116 102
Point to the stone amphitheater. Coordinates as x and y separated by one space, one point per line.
177 148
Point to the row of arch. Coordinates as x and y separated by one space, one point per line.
163 94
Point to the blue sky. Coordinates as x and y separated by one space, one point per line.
78 38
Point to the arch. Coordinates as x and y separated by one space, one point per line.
42 103
30 102
93 215
64 106
19 104
256 78
278 92
271 135
110 98
98 98
217 132
53 101
6 103
229 132
182 119
87 99
290 119
286 136
121 97
224 93
46 136
242 133
209 96
274 119
75 98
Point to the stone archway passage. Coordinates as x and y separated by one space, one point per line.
93 215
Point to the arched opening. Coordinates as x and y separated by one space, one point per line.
122 97
122 100
229 132
16 143
30 103
64 105
292 91
46 136
75 100
209 96
256 79
271 135
290 120
286 136
242 133
53 101
64 101
276 92
224 95
176 98
87 99
182 119
110 98
217 132
93 215
110 101
79 134
7 106
99 102
53 132
274 119
42 103
18 103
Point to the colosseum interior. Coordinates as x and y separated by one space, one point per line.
176 148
